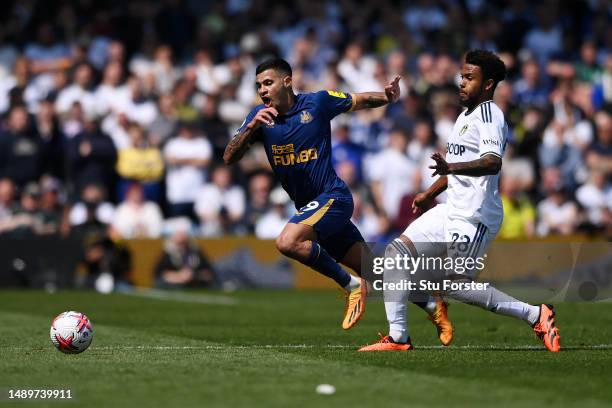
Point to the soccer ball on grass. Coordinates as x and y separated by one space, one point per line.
71 332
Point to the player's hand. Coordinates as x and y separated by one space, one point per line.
392 90
441 167
264 117
422 201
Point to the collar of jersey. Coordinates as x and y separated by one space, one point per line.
467 113
294 107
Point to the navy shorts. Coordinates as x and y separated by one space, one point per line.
330 216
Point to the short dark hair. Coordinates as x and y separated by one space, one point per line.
491 65
277 64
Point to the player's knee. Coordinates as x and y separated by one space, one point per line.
286 245
395 248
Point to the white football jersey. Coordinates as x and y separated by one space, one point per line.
475 134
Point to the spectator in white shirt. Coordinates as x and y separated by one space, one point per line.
392 174
137 218
93 198
556 213
270 225
111 94
79 91
219 204
187 157
596 197
358 70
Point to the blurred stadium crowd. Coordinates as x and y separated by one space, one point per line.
116 113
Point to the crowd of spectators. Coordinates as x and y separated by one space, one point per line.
117 113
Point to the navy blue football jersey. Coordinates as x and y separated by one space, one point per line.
298 145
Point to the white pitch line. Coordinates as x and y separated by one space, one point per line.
523 347
345 346
183 297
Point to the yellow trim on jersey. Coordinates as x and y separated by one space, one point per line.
353 103
314 218
337 94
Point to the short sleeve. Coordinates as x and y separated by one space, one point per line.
492 131
334 103
258 135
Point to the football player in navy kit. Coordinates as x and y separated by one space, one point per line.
296 133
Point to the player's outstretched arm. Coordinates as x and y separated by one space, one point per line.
367 100
423 201
239 144
487 165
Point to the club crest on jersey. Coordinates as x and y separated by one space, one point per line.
305 117
463 129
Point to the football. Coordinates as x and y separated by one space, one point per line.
71 332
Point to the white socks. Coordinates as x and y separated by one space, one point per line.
498 302
396 315
353 284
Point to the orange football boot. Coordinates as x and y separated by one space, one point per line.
546 330
386 343
355 305
443 325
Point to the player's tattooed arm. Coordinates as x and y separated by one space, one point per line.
487 165
367 100
238 146
240 143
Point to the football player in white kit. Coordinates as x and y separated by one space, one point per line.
464 226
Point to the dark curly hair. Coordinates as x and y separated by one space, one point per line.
491 65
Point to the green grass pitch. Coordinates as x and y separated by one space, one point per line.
271 349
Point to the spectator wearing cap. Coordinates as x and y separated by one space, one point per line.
186 156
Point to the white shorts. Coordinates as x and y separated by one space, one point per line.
436 234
